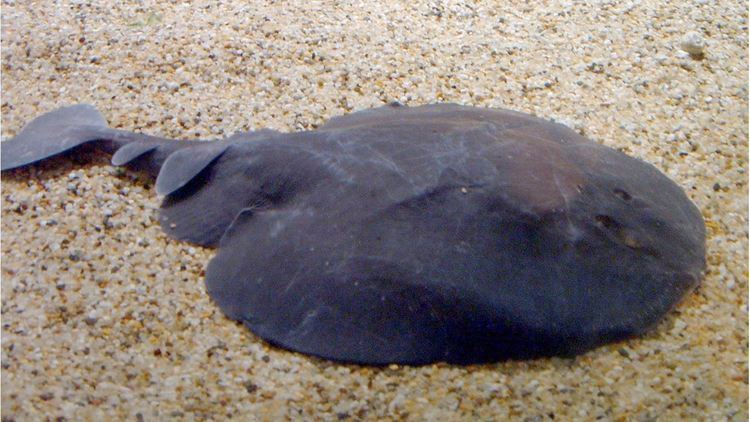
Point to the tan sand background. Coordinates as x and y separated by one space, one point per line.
104 316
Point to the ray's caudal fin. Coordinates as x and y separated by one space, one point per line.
54 133
415 234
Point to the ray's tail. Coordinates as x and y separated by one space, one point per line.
172 163
205 184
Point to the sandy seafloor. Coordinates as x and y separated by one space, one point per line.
104 317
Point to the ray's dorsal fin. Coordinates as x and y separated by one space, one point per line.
183 165
131 151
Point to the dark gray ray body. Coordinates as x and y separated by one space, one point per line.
413 235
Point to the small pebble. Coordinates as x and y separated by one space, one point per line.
693 44
250 387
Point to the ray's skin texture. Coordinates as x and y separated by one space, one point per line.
415 235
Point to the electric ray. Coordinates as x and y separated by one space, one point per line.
415 234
